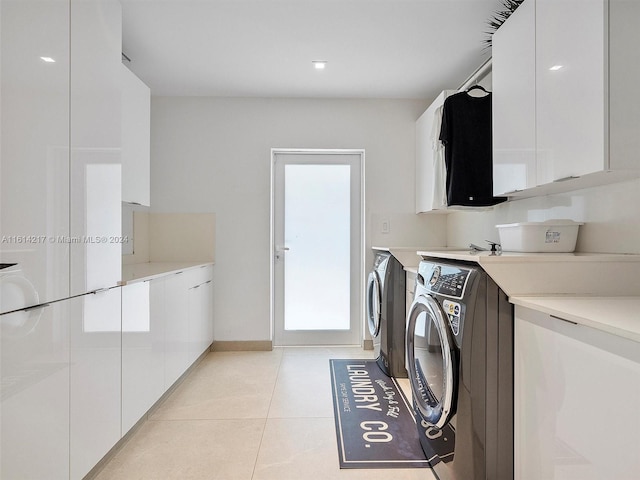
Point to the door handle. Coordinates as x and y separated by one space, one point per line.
280 250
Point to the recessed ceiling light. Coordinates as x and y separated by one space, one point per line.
555 68
319 64
48 59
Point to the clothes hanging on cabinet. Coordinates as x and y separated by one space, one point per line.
466 135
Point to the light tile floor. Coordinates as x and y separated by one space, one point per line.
247 416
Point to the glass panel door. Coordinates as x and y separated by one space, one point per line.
316 248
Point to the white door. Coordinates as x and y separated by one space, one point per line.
317 246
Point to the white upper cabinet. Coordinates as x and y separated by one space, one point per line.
430 168
34 157
586 66
570 88
136 138
96 117
514 102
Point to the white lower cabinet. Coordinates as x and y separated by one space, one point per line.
34 393
143 349
77 374
188 310
577 392
95 378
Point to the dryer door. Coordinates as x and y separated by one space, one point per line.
432 361
374 307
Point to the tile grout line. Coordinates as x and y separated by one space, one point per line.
255 463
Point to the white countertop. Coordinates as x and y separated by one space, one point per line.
616 315
484 258
140 272
599 290
553 274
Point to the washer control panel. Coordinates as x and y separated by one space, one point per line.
448 280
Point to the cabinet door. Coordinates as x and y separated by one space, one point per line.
95 378
200 319
136 134
196 309
176 328
95 144
514 97
571 86
208 318
577 392
34 157
34 399
142 349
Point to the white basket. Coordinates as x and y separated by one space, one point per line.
549 236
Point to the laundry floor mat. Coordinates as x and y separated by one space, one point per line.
374 422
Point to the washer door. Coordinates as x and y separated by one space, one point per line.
432 366
374 306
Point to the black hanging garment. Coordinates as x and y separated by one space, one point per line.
466 135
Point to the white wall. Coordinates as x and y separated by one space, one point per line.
213 155
611 214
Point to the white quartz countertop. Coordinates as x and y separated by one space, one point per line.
553 274
616 315
140 272
484 258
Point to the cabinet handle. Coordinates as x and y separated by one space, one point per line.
100 290
179 273
564 179
563 319
208 281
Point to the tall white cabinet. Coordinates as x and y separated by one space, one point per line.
95 46
60 178
60 149
577 392
576 63
34 151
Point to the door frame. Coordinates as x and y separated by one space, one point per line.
361 265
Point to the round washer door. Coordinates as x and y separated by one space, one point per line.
432 367
374 307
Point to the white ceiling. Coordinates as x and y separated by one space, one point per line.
264 48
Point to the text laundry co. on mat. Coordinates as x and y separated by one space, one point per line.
374 422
